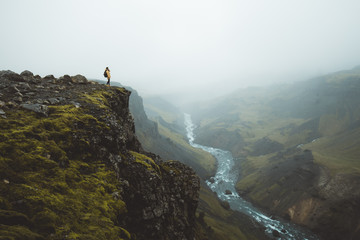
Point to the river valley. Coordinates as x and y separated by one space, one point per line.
223 183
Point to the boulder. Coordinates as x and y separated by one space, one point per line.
65 78
228 192
27 74
10 75
18 99
13 89
57 100
79 79
211 180
38 108
49 77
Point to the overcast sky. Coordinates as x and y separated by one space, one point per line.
204 46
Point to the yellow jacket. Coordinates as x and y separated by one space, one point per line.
108 74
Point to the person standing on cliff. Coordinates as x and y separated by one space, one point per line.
108 76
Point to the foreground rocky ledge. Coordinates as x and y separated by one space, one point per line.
71 166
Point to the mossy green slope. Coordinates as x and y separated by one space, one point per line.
61 191
51 179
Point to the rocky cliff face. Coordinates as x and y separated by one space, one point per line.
148 134
72 168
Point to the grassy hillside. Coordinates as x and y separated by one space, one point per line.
289 115
219 222
170 126
339 153
296 144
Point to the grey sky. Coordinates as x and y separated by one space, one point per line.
189 45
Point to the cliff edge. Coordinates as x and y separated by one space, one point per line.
71 166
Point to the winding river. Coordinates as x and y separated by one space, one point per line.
223 183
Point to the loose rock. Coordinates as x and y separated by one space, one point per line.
38 108
228 192
79 79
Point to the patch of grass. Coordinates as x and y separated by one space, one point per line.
146 161
18 232
100 98
206 160
222 222
339 153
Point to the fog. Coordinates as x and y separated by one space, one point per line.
181 49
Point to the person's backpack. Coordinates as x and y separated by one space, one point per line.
105 74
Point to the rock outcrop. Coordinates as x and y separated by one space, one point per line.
71 166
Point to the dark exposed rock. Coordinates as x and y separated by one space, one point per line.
13 89
168 201
38 108
49 77
10 75
79 79
27 74
2 113
18 94
55 100
211 180
18 99
228 192
275 233
24 86
65 79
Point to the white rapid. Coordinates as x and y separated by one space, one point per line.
223 183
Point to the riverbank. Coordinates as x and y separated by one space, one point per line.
223 183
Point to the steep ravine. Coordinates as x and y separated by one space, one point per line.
71 166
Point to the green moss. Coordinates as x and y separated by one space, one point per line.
146 161
49 178
99 98
18 232
169 168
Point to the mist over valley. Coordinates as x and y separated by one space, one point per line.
215 120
